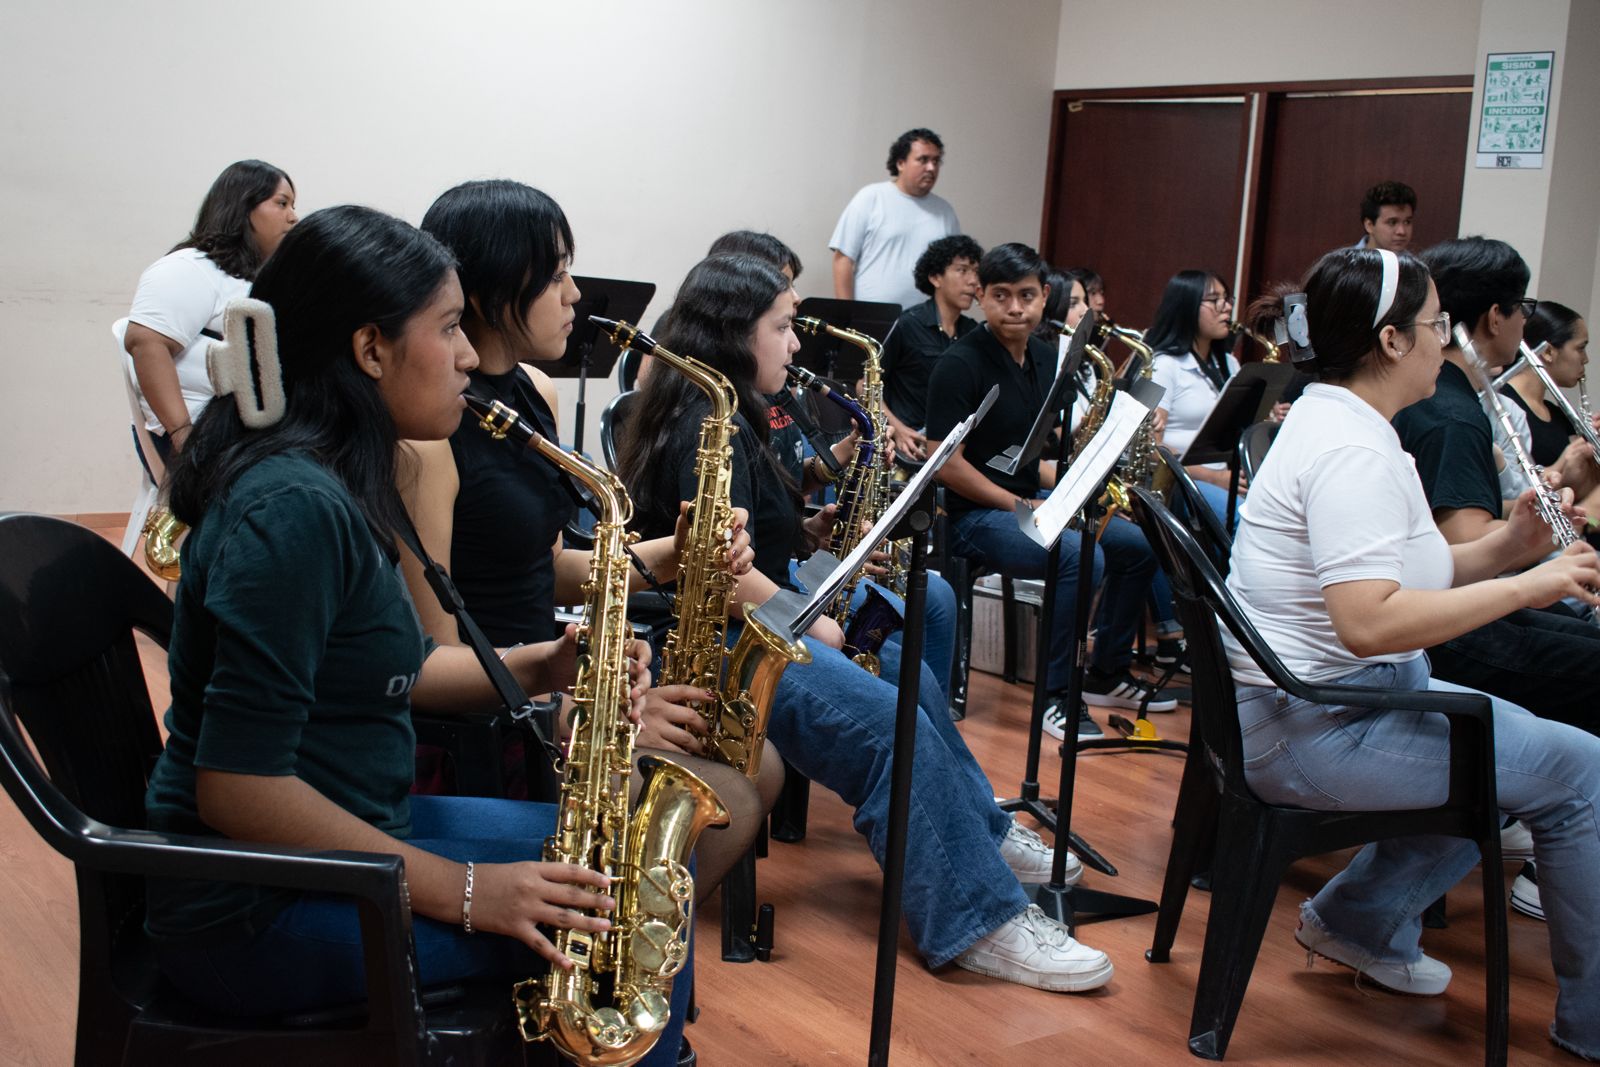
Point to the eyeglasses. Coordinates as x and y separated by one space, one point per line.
1441 326
1219 301
1528 306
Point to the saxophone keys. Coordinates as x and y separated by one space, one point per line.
657 949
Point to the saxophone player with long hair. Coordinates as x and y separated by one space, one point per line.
296 657
497 514
966 859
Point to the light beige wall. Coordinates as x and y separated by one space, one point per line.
657 126
1566 270
1114 43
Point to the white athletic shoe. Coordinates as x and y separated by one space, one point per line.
1427 977
1030 858
1516 842
1033 949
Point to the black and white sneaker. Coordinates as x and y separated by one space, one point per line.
1124 691
1055 720
1525 893
1172 654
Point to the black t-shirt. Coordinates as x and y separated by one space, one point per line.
510 507
1550 438
757 486
787 441
910 352
963 376
1448 435
294 650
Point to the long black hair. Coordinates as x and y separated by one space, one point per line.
1176 327
1551 322
222 226
510 240
341 269
1342 293
713 318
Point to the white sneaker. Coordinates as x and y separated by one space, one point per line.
1516 842
1033 949
1055 721
1427 977
1030 858
1525 893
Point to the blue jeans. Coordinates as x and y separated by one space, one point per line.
938 624
311 955
1122 556
1547 774
834 723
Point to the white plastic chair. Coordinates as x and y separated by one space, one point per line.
150 488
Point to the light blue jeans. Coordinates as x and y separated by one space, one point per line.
938 624
1547 774
835 723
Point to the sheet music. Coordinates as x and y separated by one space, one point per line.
1087 471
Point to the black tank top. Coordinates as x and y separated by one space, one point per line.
509 509
1549 438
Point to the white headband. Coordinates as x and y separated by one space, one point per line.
1391 282
245 362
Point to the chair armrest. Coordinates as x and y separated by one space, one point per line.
1465 705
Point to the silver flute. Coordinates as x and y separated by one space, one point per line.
1546 499
1579 420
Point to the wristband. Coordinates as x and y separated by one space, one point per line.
466 902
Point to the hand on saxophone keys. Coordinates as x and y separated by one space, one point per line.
514 898
671 720
740 557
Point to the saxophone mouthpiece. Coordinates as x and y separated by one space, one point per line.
626 335
808 323
497 419
805 379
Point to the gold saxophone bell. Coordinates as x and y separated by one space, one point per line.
162 529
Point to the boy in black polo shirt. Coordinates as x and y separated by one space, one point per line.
948 273
983 521
1543 660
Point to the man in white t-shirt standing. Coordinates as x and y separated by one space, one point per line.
887 225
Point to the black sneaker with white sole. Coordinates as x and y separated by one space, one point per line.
1123 691
1525 893
1055 720
1172 654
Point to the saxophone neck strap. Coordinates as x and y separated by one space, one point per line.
511 694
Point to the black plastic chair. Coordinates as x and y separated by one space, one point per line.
70 672
1257 841
1254 444
612 418
1184 499
963 574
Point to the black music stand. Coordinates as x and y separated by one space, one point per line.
832 357
1062 902
590 351
1247 400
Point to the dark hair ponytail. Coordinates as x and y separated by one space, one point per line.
1342 293
339 270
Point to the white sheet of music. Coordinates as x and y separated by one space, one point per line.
1086 471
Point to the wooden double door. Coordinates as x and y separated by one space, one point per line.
1250 182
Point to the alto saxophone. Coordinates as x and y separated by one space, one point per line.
862 495
646 856
161 532
694 650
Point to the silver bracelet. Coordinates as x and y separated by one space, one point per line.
507 651
466 902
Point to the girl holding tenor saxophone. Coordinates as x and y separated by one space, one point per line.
1341 567
496 513
296 656
966 859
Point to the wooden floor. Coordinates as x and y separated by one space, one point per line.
812 1004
